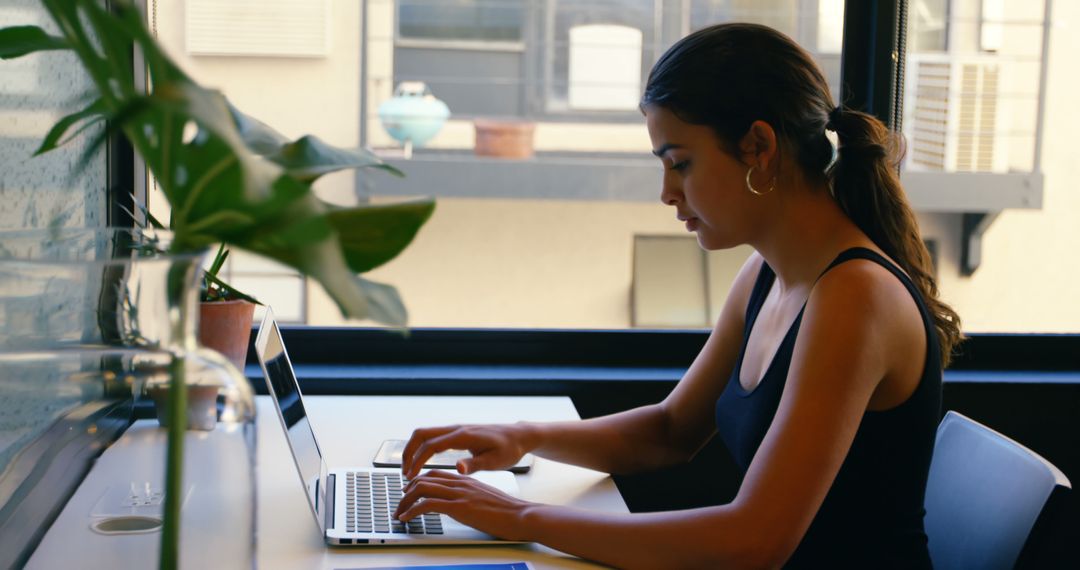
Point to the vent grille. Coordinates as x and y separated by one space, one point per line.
275 28
955 116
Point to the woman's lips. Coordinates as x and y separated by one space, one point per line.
691 224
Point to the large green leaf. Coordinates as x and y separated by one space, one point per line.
115 37
384 303
309 158
95 110
18 41
210 111
372 235
257 135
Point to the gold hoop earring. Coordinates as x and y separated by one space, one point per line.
750 186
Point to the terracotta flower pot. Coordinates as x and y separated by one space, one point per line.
225 326
504 139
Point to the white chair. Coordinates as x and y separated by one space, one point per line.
984 494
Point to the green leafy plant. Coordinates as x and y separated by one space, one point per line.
211 287
229 179
214 289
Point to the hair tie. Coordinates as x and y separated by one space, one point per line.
834 118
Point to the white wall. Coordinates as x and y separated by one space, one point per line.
296 96
520 263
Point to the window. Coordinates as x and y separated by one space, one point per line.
928 21
461 20
977 79
992 26
549 241
600 47
35 92
679 285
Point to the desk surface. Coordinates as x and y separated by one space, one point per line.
350 430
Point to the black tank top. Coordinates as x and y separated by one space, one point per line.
872 516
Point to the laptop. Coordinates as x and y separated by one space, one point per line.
354 506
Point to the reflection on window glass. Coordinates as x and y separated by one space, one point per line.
486 20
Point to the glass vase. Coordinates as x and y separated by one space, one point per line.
97 338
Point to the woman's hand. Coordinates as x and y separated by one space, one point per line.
467 500
492 447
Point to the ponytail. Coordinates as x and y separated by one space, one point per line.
864 181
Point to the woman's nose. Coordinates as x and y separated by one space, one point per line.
669 192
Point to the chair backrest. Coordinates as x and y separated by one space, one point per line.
983 496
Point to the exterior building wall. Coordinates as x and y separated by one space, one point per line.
296 96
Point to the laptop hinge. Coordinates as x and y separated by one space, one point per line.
331 486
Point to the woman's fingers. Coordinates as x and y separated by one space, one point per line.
425 489
430 447
492 447
429 506
419 438
479 462
467 500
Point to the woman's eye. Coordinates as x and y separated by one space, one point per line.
680 166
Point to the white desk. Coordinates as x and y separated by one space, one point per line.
350 430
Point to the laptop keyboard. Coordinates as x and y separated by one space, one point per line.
372 498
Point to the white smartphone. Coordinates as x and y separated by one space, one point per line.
389 455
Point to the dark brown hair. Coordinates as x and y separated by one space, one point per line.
729 75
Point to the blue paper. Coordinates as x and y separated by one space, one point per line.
499 566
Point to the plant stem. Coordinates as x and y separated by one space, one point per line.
174 465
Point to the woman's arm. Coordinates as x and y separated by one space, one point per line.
846 345
644 438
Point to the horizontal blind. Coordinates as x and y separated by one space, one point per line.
277 28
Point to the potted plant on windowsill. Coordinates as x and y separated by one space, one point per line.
225 313
228 178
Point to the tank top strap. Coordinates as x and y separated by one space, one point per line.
762 284
871 255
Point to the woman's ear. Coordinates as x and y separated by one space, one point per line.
759 146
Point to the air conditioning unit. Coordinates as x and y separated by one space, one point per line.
954 115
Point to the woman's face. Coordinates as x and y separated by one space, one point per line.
705 184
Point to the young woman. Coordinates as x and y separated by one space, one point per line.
823 373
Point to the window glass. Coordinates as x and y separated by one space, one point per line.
599 45
929 30
542 187
36 192
484 20
979 159
35 92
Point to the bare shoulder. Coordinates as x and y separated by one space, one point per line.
871 310
862 288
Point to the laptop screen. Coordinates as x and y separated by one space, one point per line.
282 385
